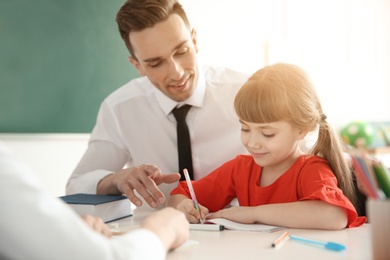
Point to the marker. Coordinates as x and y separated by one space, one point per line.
192 192
280 240
207 227
328 245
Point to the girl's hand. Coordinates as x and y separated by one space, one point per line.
238 214
193 216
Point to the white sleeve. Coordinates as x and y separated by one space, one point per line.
105 154
140 244
100 159
35 225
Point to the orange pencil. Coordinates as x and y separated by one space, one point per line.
279 241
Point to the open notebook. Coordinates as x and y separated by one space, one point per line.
232 225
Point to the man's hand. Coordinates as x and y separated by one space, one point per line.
144 179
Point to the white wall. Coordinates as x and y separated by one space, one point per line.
52 157
343 44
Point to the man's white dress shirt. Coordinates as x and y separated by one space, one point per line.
135 126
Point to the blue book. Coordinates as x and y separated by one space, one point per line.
107 207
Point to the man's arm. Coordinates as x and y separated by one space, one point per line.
144 179
101 171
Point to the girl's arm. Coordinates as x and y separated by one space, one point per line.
313 214
186 205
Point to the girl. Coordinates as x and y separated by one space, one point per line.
277 184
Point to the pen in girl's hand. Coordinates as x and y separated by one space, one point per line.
192 192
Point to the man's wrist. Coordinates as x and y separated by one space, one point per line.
105 186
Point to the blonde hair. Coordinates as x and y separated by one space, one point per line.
284 92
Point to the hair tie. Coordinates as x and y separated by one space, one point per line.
323 117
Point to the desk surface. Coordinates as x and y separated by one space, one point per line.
229 244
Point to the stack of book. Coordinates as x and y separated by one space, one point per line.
371 174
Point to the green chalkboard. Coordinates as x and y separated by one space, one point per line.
58 60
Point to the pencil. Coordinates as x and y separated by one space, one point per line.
279 241
192 192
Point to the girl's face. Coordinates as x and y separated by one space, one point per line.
271 144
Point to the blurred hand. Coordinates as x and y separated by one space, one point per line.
144 179
170 225
97 225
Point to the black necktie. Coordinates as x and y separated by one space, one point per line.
183 141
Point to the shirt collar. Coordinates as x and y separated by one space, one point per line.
196 99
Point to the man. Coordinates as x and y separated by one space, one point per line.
34 225
133 146
135 128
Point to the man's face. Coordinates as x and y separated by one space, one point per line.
166 54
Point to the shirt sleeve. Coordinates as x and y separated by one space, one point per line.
39 226
105 154
100 159
318 182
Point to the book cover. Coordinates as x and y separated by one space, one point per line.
382 174
363 176
107 207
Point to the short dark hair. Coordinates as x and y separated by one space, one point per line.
137 15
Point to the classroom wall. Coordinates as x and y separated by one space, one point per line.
344 45
59 59
57 63
52 157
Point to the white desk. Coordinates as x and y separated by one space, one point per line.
239 245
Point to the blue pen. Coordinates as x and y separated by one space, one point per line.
328 245
192 192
